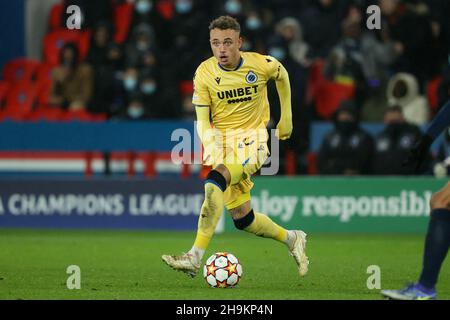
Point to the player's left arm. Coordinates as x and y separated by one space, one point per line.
283 85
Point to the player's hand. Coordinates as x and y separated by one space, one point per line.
418 153
284 129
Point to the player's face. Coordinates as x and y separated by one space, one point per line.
225 45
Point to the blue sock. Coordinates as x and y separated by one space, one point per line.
436 246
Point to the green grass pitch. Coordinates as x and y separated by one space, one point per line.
127 265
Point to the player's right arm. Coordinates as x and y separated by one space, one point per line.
202 102
204 132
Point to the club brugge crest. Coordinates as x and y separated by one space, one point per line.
251 77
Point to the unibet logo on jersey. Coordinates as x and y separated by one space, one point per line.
237 98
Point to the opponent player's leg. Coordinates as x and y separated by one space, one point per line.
261 225
437 243
215 184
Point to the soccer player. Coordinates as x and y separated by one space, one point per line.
437 240
230 88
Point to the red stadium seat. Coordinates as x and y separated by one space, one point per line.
81 115
20 70
44 73
186 87
55 40
123 15
166 9
46 113
55 15
4 86
44 83
432 89
20 101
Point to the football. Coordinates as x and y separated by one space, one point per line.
222 270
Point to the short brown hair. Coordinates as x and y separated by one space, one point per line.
225 23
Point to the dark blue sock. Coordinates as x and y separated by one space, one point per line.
436 246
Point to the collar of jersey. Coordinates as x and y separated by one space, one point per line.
238 66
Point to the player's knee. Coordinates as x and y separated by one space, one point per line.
244 221
216 178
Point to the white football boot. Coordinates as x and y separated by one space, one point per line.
186 263
298 252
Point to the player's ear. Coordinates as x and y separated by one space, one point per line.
240 41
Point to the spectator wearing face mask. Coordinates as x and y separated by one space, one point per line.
233 8
403 90
141 43
286 46
393 144
189 30
146 13
254 31
347 149
150 95
135 108
72 84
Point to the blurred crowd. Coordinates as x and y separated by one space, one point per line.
340 71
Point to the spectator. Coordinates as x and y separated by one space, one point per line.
290 30
347 149
409 28
403 90
288 47
141 43
146 14
346 60
189 29
148 85
393 144
252 33
99 57
91 11
72 81
135 108
319 21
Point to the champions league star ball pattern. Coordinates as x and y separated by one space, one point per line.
222 270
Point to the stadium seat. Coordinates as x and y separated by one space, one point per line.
20 70
81 115
46 113
44 83
123 15
166 9
20 101
54 18
4 86
55 40
187 87
432 93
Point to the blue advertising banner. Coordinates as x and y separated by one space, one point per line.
162 204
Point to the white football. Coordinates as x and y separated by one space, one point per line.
222 270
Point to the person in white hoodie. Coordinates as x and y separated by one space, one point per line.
403 90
